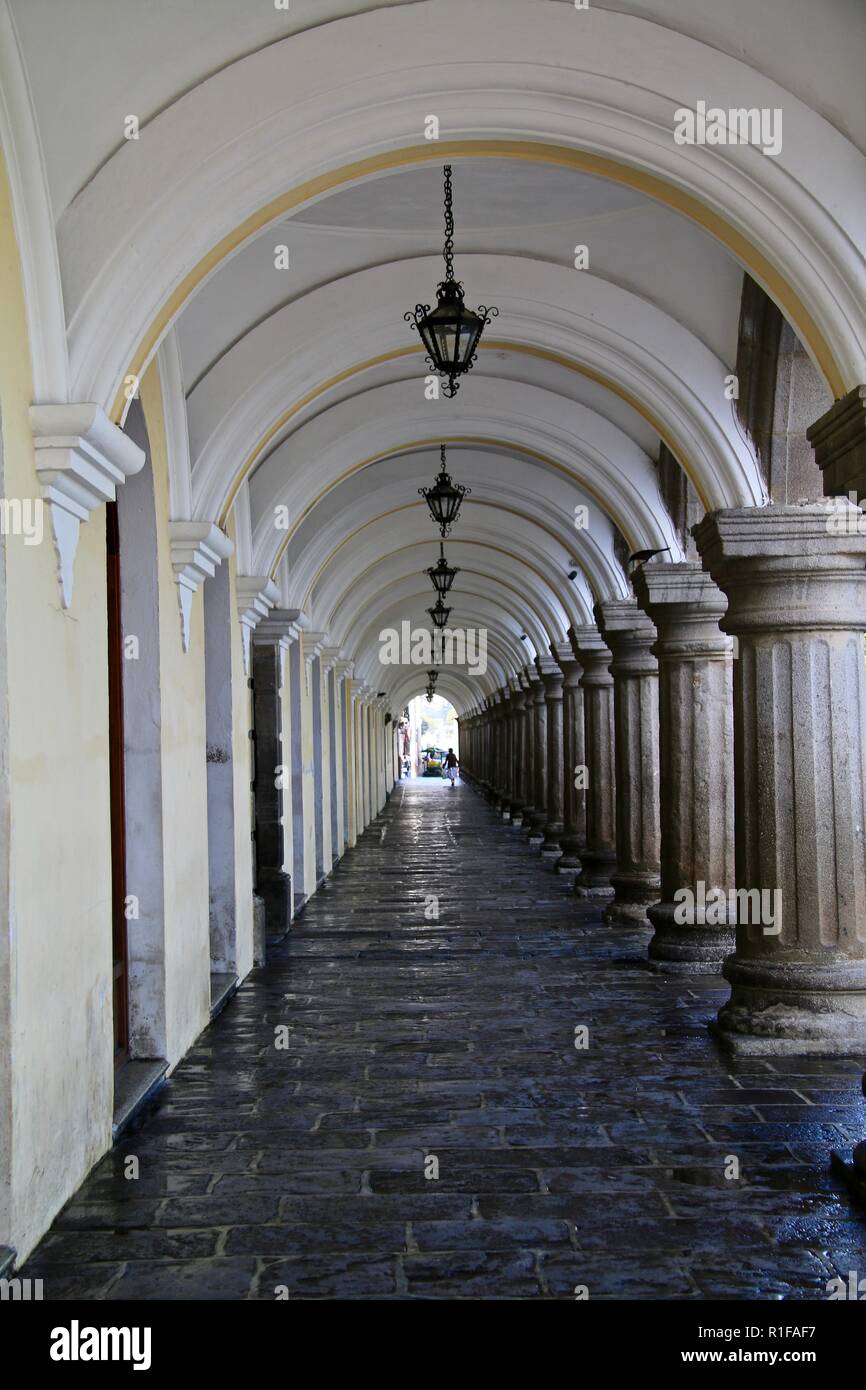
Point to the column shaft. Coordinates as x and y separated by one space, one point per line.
796 587
696 757
598 860
636 882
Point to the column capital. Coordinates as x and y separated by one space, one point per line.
593 653
312 644
329 656
787 567
256 595
630 634
838 438
197 550
551 675
81 460
686 606
567 662
282 625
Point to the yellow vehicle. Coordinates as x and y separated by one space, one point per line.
433 760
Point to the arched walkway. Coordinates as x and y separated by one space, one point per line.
442 1085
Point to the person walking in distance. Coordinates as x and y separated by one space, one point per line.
451 766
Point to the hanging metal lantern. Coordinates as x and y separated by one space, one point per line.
450 332
444 498
439 614
441 574
432 677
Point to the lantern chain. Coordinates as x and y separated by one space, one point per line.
449 227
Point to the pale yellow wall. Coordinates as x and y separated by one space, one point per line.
324 683
60 888
286 729
184 772
308 780
339 716
349 716
242 776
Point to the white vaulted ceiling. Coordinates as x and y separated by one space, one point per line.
304 387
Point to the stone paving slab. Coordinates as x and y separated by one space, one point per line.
306 1171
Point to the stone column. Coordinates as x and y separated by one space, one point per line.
696 759
552 680
515 704
530 679
636 882
508 732
598 859
573 839
795 580
499 751
489 746
539 759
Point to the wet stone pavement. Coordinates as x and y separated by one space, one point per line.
300 1171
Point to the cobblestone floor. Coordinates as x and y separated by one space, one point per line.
409 1037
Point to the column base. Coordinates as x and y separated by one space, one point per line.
536 829
793 1009
572 848
516 813
625 914
634 893
551 847
597 865
680 948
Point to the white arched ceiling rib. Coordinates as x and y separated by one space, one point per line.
462 692
404 600
407 602
532 616
503 651
484 547
583 446
408 518
603 329
137 240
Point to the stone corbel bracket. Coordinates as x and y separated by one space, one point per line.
343 670
256 596
197 549
314 644
330 656
81 460
281 628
